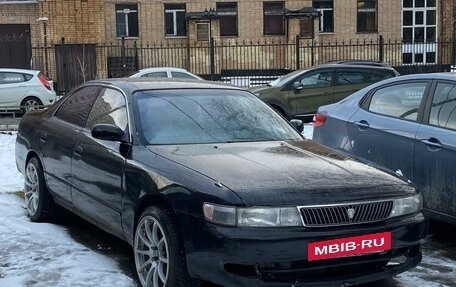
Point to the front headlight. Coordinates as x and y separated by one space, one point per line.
407 205
252 216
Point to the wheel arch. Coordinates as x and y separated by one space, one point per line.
152 199
279 109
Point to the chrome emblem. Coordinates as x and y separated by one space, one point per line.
351 213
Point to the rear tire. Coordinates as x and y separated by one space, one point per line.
159 253
31 104
39 202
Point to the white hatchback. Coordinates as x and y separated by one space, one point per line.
25 90
165 72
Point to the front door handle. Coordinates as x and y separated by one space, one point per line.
432 143
362 125
77 152
43 137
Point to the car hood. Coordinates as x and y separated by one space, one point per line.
286 173
259 89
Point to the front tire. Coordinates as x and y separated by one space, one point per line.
39 202
158 250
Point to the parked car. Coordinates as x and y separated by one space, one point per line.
406 124
360 62
25 90
206 181
165 72
299 93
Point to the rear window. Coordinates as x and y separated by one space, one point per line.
11 77
400 101
377 76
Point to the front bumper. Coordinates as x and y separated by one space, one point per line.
278 257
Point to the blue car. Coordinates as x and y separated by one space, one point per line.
406 124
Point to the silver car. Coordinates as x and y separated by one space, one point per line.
25 90
165 72
406 124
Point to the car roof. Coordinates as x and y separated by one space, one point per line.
360 62
158 69
433 76
137 84
351 66
14 70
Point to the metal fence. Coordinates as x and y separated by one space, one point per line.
243 63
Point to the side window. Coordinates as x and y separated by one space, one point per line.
179 75
350 77
400 101
377 76
77 106
109 108
317 80
156 75
443 109
10 78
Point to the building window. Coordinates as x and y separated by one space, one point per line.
227 13
274 23
127 20
326 10
367 16
175 25
419 26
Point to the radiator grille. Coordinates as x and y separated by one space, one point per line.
323 216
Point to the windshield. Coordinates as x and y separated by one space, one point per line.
285 79
191 116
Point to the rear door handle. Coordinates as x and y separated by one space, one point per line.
433 143
362 125
77 152
43 137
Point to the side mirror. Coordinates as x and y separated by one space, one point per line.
297 86
298 125
107 132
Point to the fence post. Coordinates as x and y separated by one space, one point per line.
298 60
29 48
136 56
212 60
312 52
453 62
64 66
122 55
381 56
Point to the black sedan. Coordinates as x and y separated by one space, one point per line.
207 182
406 124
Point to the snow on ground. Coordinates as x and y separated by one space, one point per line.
42 255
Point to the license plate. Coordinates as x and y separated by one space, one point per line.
349 246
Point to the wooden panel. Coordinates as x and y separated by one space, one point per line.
76 64
15 49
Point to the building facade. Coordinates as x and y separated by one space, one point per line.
247 23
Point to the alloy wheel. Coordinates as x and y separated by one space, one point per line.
151 253
31 105
31 190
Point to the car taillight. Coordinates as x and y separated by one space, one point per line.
46 83
318 120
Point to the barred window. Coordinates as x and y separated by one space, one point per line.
367 16
274 23
127 20
175 25
326 10
227 12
